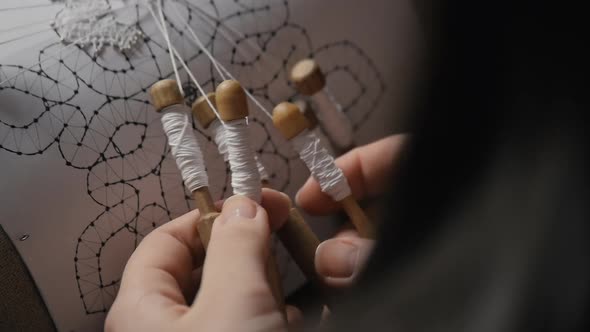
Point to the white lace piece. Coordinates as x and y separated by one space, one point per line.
93 23
321 165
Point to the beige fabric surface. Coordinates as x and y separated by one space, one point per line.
21 305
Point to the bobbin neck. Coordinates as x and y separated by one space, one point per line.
231 100
289 120
203 111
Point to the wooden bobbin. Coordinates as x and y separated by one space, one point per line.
231 101
289 120
209 213
307 77
308 112
300 242
232 104
202 110
164 94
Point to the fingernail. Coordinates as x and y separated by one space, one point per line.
297 198
239 206
246 210
337 258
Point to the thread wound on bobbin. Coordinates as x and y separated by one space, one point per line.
165 93
308 77
289 120
231 101
202 110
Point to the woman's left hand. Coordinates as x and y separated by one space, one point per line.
162 276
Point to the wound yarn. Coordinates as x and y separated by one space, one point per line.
219 138
245 176
322 165
218 132
264 176
184 146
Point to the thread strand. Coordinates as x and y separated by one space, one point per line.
322 165
184 146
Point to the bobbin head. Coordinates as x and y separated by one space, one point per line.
202 110
308 77
308 112
289 120
165 93
231 101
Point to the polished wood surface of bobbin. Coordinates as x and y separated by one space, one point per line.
301 243
308 112
308 77
289 120
358 217
204 201
208 212
231 101
165 93
205 226
202 110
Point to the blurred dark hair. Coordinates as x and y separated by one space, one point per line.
488 218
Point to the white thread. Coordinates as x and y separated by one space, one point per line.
184 146
169 43
218 132
321 165
333 120
182 62
245 176
199 43
264 176
221 70
219 138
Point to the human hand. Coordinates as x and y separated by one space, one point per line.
161 277
368 169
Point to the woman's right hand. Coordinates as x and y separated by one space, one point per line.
369 170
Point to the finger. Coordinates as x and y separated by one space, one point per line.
234 278
325 314
347 230
158 276
368 170
277 206
339 260
294 317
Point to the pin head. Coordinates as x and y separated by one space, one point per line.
289 120
231 101
202 110
308 77
165 93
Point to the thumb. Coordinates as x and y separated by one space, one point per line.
234 270
340 260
